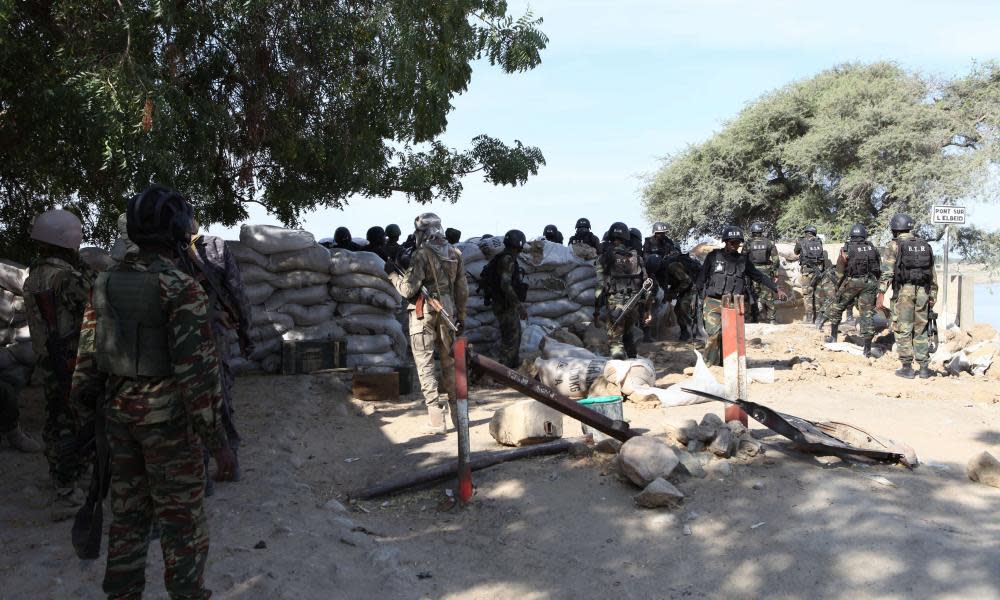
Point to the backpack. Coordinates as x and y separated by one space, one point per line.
489 280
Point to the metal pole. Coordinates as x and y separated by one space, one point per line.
462 419
734 359
946 282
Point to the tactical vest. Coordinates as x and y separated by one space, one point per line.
862 259
915 262
132 339
728 275
757 251
812 251
624 271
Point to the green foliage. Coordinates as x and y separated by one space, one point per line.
857 143
294 104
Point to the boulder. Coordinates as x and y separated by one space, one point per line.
722 444
609 446
644 458
658 494
712 420
748 446
526 422
719 468
984 468
690 464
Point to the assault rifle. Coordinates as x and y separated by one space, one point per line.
233 315
633 302
425 298
932 331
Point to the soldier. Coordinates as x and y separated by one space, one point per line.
809 251
453 236
212 265
376 242
504 291
677 282
764 255
583 234
13 376
858 266
439 268
392 234
552 234
55 294
342 239
725 272
658 243
620 275
161 401
908 264
635 240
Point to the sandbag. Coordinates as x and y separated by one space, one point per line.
475 269
587 297
543 295
314 258
300 279
253 274
553 309
547 324
371 360
544 280
583 251
309 315
345 309
470 253
486 334
271 363
264 348
263 333
245 255
476 304
583 315
545 255
12 276
571 377
531 340
22 352
585 272
257 293
575 289
359 280
309 296
269 239
370 324
6 306
367 344
702 380
630 373
345 262
266 317
22 333
553 349
324 331
364 295
490 247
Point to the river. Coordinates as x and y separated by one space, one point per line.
987 304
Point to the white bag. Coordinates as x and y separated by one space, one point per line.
486 334
531 339
270 239
583 315
309 296
701 380
548 325
470 254
490 247
324 331
627 374
345 262
368 344
358 280
369 324
545 255
245 255
261 333
300 279
551 349
570 377
12 276
309 315
265 347
314 258
253 274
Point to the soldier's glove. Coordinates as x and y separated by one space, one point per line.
880 301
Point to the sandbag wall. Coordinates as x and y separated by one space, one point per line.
561 287
16 354
300 291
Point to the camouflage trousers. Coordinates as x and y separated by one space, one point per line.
510 335
156 474
621 338
909 323
60 427
684 310
764 296
227 380
862 290
711 313
817 291
426 335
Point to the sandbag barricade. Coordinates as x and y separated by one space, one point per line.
16 355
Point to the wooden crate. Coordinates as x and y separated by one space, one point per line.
310 356
376 387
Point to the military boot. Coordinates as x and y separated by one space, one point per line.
867 348
906 371
685 334
435 414
19 440
834 331
66 503
925 371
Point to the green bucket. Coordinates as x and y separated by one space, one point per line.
609 406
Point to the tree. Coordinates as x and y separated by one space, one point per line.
856 143
294 104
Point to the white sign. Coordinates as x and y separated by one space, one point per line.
948 215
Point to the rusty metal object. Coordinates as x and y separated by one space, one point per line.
822 437
462 420
734 354
551 398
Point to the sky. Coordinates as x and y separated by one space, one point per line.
625 83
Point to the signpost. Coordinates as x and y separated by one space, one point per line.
947 216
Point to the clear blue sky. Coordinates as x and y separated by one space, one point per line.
625 82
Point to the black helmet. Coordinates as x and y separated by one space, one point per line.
731 232
159 215
810 229
858 231
375 236
901 222
392 231
653 262
342 235
659 227
452 235
514 240
757 227
583 223
618 231
635 234
550 230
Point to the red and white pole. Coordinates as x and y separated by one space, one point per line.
734 355
462 418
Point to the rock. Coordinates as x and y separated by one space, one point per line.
687 530
642 459
695 446
658 494
720 469
722 444
335 505
702 433
680 433
712 420
690 465
526 422
580 450
737 428
984 468
758 485
748 446
608 446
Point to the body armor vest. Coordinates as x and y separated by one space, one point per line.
915 263
862 259
812 251
132 339
757 250
625 272
728 275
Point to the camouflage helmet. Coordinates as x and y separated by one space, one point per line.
731 232
426 221
659 227
901 222
59 228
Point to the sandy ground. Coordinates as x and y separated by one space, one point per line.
562 527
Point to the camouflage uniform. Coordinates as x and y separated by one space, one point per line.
507 309
910 305
677 285
620 274
654 244
155 428
767 262
816 288
70 284
861 290
439 267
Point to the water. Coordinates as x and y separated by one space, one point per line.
987 304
